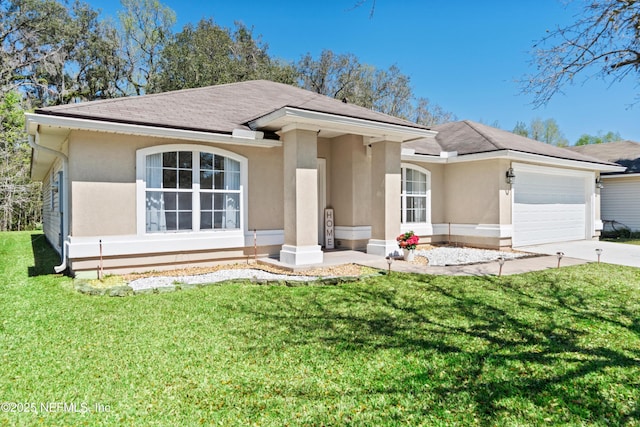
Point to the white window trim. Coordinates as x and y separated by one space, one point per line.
233 238
422 228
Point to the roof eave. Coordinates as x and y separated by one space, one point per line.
518 156
33 120
374 129
621 175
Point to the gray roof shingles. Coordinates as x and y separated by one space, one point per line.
223 108
467 137
624 153
220 108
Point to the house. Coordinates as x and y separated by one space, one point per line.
196 176
620 195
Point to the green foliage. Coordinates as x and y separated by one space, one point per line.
546 131
57 52
556 347
343 77
207 54
19 198
600 138
146 27
521 129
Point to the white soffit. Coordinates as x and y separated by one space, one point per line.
239 138
333 122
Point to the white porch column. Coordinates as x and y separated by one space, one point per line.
300 147
385 197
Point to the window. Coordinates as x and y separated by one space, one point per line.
191 191
415 195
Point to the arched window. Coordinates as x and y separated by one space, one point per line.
416 195
191 188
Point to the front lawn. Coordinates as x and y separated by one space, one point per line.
629 241
560 346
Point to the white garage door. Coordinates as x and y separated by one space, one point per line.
549 208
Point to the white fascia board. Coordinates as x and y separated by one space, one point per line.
519 156
621 175
329 121
554 161
423 158
32 120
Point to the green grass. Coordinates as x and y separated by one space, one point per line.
560 346
628 241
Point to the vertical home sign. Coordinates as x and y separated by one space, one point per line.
328 229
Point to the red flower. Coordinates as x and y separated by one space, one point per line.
408 240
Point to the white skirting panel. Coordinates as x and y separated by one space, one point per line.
500 231
382 247
419 229
301 255
361 232
88 247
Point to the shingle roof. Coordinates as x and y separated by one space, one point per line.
467 137
221 108
624 153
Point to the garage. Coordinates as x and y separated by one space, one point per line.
550 205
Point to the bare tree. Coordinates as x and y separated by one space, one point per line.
604 42
389 91
429 114
546 131
146 26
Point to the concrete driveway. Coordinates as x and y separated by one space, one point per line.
612 253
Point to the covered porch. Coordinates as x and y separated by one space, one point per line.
351 166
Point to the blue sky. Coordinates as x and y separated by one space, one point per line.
464 55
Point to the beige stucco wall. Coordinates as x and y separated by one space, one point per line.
300 187
102 175
350 181
324 152
505 196
385 190
103 180
470 192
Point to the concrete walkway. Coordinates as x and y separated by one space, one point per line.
612 253
515 266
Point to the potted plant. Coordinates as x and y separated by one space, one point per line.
408 242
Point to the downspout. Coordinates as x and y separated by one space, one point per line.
65 198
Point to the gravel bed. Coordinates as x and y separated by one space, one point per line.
460 256
437 256
218 276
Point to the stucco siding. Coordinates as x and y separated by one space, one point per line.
471 191
103 208
350 174
103 177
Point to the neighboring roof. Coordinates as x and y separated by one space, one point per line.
467 137
624 153
219 109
